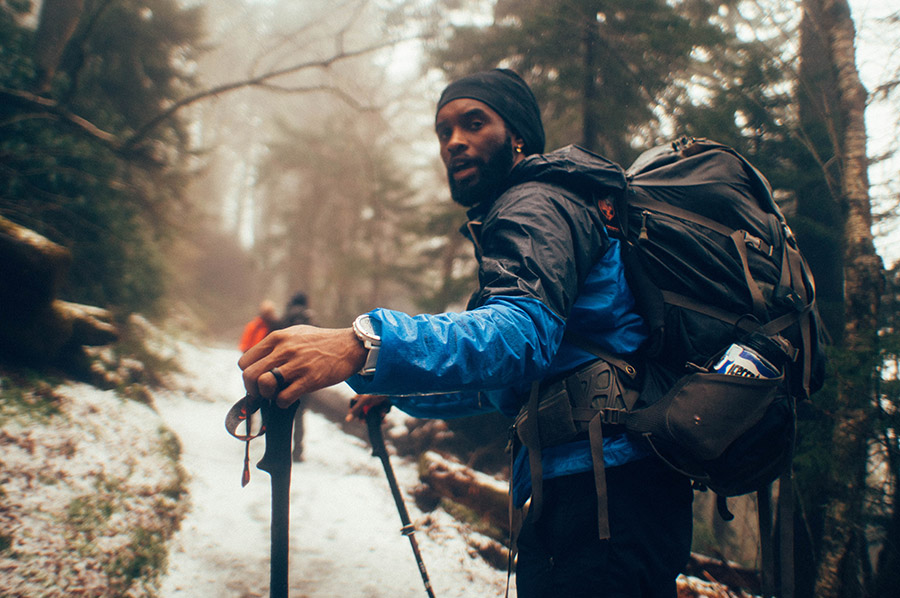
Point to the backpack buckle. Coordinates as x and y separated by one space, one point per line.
793 299
613 416
757 244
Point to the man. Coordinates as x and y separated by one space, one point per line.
545 265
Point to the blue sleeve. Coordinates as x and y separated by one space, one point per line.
507 342
443 406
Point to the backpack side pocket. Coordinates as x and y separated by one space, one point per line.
705 412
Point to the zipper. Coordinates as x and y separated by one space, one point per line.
643 236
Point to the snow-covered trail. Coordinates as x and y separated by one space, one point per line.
345 529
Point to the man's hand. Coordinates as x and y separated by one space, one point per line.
309 358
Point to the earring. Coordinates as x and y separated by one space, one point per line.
518 149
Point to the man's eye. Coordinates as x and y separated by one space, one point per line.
476 124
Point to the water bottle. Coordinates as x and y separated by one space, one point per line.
755 356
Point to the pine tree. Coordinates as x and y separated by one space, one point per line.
65 110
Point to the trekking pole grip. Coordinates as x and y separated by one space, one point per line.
276 460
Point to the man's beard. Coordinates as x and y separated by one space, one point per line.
491 176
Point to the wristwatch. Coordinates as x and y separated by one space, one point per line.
365 332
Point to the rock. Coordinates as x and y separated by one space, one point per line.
90 325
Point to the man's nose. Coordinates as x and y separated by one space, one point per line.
457 141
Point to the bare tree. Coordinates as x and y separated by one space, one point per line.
843 566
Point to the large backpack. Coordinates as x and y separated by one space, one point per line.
711 261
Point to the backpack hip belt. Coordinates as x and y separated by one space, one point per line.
592 397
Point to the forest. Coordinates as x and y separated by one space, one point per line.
196 157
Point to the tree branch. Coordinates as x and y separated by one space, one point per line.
257 81
53 108
350 100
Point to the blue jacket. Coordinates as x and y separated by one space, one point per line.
545 264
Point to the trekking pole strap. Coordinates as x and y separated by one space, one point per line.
242 412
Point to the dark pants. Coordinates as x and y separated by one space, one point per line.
650 520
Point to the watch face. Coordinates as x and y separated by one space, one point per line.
364 325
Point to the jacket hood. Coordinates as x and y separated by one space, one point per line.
572 167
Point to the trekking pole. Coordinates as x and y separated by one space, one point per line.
373 422
279 424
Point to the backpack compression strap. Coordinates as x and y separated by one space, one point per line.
794 279
740 238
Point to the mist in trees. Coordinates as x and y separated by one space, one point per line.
322 160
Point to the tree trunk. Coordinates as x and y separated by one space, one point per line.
843 546
36 328
589 125
58 20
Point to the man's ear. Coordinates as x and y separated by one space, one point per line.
518 145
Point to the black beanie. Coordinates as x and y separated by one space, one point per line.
509 96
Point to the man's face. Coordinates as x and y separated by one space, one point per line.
477 149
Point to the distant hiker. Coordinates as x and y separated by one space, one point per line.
297 312
257 328
546 265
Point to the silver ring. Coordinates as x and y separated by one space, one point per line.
279 378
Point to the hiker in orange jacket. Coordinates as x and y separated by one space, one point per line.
257 328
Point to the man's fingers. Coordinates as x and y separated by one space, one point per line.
268 385
283 396
253 369
355 411
309 358
256 352
287 397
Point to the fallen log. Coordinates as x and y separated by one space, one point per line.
733 576
485 496
91 325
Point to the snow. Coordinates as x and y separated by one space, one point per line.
80 478
345 528
105 452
